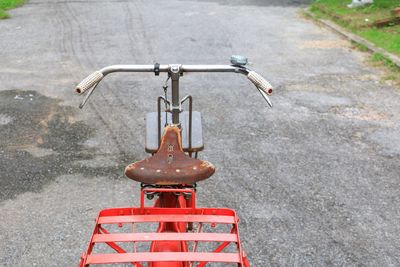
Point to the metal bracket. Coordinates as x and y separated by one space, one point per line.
188 97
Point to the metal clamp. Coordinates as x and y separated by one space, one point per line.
156 69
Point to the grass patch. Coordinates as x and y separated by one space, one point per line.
3 14
392 72
377 57
359 47
340 6
9 4
387 38
361 20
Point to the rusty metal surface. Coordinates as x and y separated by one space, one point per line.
170 165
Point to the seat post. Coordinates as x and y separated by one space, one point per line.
175 72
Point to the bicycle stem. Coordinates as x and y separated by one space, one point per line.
175 73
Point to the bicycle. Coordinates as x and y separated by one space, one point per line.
169 177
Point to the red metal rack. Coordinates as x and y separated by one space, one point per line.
209 218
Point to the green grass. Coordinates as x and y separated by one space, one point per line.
360 21
377 57
360 47
393 71
8 4
356 17
387 38
340 6
3 14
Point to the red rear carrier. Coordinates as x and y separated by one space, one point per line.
213 234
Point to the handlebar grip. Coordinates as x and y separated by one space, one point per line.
89 82
260 82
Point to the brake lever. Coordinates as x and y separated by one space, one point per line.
88 95
265 96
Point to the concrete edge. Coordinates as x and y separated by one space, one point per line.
355 38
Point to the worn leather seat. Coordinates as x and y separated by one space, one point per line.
170 165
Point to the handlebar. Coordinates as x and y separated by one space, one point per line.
93 79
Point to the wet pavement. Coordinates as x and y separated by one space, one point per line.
315 179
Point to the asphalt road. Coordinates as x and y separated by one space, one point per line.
315 180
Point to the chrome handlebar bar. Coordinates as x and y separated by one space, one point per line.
93 79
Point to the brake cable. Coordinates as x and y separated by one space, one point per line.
165 87
88 95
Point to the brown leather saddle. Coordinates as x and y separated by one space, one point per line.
170 165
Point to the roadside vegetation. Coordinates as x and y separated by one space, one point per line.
9 4
378 23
